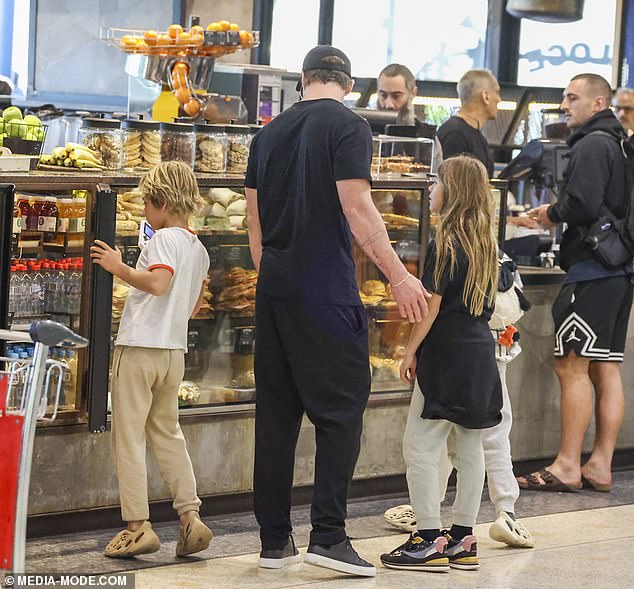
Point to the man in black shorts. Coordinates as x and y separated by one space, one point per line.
308 195
592 309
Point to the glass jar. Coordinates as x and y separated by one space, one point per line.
104 137
141 144
178 143
239 137
211 148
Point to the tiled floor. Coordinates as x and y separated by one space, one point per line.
583 540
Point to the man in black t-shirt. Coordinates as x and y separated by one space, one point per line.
308 195
479 94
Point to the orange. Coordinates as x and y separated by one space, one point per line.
192 107
234 27
225 25
214 26
174 31
180 66
183 94
196 30
151 37
178 80
244 38
163 40
129 41
184 39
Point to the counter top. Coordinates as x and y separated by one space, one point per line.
128 178
536 276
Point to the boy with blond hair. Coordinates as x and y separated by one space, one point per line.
149 361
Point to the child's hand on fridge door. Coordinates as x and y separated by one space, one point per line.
107 257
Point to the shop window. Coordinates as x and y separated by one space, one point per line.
551 54
437 41
294 32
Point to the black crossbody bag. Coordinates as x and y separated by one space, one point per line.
611 239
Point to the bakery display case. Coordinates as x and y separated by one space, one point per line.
219 364
405 213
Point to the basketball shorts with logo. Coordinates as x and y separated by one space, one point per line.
591 318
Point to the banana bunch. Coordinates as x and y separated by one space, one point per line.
73 155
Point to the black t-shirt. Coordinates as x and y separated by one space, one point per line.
294 164
456 367
457 136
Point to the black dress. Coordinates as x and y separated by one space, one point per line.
456 367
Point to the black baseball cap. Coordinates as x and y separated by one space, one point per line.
315 60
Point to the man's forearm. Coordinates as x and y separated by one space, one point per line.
369 232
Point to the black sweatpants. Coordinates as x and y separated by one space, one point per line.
309 359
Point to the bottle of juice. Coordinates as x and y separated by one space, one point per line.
48 219
17 219
80 213
25 209
36 203
65 208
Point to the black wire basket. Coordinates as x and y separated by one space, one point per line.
25 141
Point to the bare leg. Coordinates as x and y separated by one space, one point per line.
610 408
575 414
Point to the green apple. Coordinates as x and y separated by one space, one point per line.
31 135
2 136
1 125
39 133
32 120
16 128
12 113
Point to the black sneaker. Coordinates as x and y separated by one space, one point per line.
281 557
340 557
419 555
463 554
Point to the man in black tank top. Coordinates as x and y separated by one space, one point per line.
308 195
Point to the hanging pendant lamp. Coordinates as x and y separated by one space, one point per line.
553 11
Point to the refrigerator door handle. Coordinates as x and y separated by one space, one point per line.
103 218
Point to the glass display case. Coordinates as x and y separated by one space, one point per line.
47 273
219 363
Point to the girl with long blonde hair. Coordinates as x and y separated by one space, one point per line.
450 359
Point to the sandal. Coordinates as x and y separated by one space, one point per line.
193 537
127 544
591 484
550 483
401 517
510 531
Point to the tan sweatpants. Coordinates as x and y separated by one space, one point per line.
145 385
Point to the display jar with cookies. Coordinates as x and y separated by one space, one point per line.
178 143
211 148
238 152
141 144
104 137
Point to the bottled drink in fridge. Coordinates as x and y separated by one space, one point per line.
37 290
14 289
74 288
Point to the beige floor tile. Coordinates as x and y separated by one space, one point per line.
578 550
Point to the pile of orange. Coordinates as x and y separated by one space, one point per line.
177 41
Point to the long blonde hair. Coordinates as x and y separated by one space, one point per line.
466 218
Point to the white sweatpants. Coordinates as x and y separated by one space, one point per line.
424 446
503 488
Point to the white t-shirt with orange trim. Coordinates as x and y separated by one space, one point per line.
149 321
